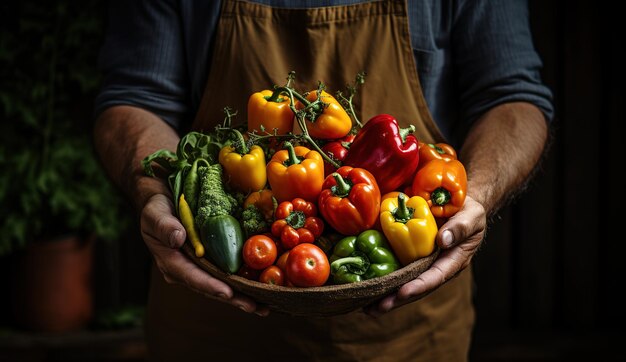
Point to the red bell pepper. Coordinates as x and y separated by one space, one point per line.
389 152
350 200
337 150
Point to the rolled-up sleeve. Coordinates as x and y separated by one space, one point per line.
142 60
495 59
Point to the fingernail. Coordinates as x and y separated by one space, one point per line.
242 307
222 296
447 239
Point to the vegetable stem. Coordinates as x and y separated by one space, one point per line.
293 158
402 213
440 196
406 131
240 143
342 188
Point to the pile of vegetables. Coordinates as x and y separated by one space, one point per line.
306 195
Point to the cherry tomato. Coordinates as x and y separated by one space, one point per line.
307 266
259 252
272 275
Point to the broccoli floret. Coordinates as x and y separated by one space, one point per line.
253 221
213 200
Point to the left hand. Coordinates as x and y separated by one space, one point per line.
459 239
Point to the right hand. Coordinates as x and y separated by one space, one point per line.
165 235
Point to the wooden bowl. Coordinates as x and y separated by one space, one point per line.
321 301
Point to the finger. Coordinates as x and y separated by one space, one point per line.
469 221
159 222
178 269
381 307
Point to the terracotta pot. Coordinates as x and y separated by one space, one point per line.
52 290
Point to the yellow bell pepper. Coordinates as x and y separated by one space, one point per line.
244 168
269 111
409 226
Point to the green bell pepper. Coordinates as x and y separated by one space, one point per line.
362 257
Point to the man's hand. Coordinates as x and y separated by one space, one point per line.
164 235
123 136
459 239
499 153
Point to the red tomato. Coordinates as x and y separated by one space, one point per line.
259 252
272 275
281 262
307 266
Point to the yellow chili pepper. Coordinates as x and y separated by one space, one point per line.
244 168
186 217
409 226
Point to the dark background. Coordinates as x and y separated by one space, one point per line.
550 273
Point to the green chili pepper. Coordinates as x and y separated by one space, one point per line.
191 187
362 257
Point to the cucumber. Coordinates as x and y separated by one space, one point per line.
222 238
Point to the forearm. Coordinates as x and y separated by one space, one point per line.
501 151
123 136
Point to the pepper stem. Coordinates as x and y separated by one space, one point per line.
438 149
342 188
275 97
293 158
440 196
355 264
402 213
406 131
240 143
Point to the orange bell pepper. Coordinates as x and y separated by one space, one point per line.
436 151
263 200
333 122
443 184
268 111
296 172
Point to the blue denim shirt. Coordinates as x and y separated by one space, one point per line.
472 56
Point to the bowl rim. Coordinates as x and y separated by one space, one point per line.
379 283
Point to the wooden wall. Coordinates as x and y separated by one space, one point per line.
550 271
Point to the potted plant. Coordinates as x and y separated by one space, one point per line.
55 199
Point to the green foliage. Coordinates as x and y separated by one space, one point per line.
51 182
119 318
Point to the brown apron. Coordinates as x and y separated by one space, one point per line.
256 47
